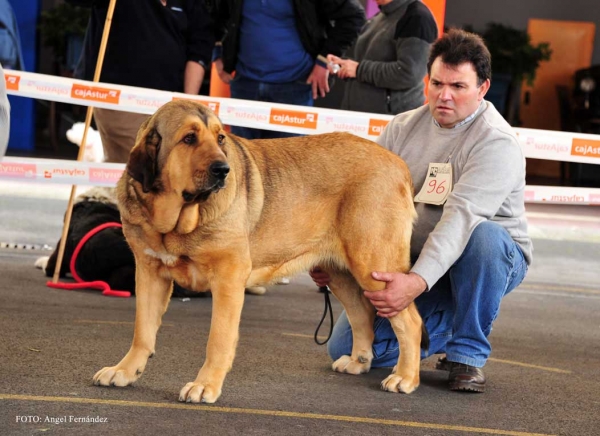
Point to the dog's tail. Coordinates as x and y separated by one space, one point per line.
424 338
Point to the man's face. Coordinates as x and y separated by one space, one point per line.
453 92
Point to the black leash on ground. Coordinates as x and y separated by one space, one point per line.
325 290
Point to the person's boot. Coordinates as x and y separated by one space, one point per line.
462 377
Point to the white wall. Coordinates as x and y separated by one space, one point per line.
516 13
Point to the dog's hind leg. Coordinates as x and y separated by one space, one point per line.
408 328
380 241
361 317
407 324
153 293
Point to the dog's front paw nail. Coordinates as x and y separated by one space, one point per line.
195 392
398 383
348 365
114 376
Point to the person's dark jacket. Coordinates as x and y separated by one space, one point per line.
325 26
149 44
392 51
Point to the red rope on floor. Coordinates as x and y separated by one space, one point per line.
81 284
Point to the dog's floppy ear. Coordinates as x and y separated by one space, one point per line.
143 160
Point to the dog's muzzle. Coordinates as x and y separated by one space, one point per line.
218 173
219 170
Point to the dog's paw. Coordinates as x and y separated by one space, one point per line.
256 290
42 262
195 392
398 383
115 376
347 365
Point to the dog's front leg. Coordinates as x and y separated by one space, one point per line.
228 300
152 298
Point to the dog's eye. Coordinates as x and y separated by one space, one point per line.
190 139
221 139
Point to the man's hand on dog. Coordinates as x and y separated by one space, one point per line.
400 290
320 277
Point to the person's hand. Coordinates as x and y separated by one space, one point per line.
319 80
400 290
223 75
347 69
320 277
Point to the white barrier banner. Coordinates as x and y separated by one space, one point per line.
107 174
562 195
563 146
538 144
60 171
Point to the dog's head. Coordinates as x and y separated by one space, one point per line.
179 160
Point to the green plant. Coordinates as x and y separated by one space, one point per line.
513 53
59 22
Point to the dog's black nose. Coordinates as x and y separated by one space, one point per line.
219 169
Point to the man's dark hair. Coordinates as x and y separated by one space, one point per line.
458 46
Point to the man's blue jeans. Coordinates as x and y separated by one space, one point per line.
459 309
299 93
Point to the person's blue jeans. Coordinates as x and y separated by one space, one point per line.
459 309
298 93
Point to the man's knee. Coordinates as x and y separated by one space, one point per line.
487 241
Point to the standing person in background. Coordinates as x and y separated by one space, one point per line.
277 49
390 59
470 246
11 54
4 115
159 44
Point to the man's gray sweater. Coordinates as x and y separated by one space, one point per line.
488 176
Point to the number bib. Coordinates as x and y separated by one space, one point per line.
437 186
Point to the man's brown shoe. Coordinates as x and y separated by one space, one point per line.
466 378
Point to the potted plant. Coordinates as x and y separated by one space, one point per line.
514 60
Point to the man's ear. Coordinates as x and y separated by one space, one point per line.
483 89
143 159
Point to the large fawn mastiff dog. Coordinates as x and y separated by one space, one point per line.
213 211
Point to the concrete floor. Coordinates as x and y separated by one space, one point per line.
542 377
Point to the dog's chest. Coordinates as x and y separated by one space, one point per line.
169 249
187 273
165 257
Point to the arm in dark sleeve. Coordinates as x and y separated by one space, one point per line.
413 39
220 14
201 33
348 17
